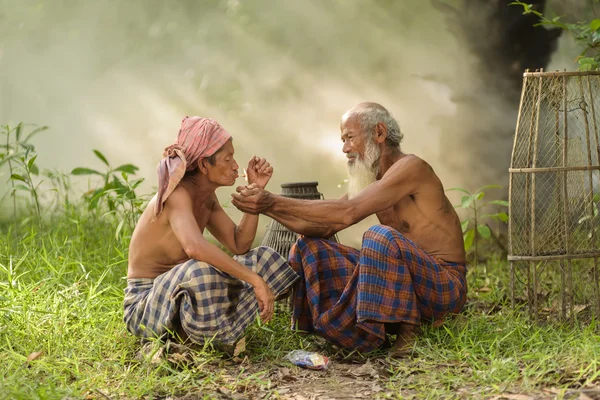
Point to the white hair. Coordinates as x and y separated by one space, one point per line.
372 114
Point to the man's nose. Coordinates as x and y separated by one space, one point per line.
347 148
235 165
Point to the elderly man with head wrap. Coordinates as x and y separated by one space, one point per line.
179 283
410 269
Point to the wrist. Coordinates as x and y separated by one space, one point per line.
255 280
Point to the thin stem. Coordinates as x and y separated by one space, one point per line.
476 232
10 169
33 191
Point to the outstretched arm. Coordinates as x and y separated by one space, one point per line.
330 216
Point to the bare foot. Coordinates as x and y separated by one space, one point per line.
405 340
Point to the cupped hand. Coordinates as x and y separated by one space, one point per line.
251 199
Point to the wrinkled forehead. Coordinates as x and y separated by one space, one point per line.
350 124
227 148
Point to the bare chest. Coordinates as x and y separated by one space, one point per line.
202 215
404 216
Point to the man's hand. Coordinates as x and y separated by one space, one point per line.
265 298
259 171
251 199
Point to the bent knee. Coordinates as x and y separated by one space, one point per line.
305 241
378 231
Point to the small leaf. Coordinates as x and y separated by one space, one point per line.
489 187
595 25
18 131
85 171
34 170
499 202
136 183
21 188
119 228
240 347
35 355
17 177
101 157
502 217
484 231
127 168
468 238
30 162
466 201
460 190
479 195
465 225
35 132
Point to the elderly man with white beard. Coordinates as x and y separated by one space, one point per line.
410 269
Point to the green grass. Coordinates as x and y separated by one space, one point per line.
61 292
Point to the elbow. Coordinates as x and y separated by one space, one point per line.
192 252
240 251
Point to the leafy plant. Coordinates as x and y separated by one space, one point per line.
25 170
15 149
586 33
117 192
474 227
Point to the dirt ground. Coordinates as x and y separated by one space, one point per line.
238 379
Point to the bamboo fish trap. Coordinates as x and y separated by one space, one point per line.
554 195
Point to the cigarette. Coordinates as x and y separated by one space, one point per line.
245 175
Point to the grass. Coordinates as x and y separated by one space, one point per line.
61 292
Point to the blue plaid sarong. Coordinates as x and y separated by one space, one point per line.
347 295
203 301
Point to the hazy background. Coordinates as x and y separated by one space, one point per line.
118 76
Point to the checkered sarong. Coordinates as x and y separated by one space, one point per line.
347 295
205 302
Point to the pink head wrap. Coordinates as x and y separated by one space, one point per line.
198 138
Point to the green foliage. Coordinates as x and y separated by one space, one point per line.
475 226
116 191
587 33
17 152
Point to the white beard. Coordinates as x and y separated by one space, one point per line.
361 173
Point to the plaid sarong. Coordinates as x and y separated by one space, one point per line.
205 302
347 295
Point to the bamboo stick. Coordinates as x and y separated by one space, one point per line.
569 277
591 192
510 194
533 197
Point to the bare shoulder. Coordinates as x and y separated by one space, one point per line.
412 166
179 199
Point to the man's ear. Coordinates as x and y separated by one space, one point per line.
202 166
380 132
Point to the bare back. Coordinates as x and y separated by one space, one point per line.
154 248
426 217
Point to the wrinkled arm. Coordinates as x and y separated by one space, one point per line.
401 180
237 238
